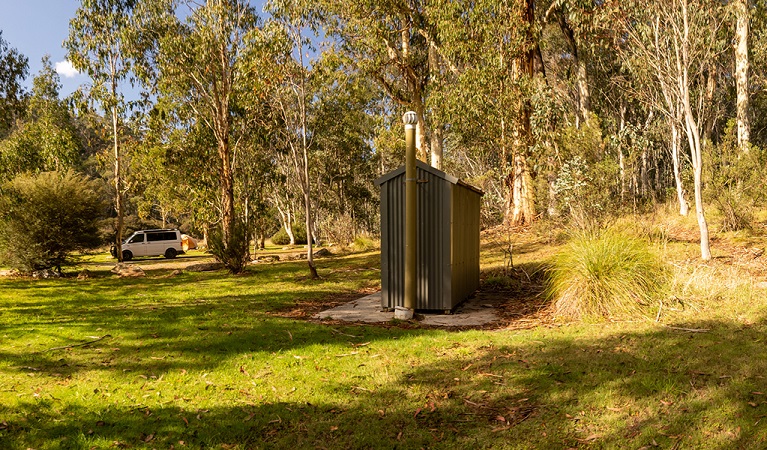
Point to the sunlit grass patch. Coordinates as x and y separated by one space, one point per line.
209 360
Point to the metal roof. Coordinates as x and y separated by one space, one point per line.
436 172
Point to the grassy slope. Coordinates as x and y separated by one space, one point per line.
210 360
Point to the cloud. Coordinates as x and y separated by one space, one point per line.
65 69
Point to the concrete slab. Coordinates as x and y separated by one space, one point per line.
471 313
366 309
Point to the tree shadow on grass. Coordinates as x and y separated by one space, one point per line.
655 388
179 323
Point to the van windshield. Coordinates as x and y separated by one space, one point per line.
135 239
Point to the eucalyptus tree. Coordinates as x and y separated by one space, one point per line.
345 161
45 138
575 21
495 69
678 44
99 45
14 68
214 66
294 100
390 41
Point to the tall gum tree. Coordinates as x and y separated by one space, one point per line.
97 44
677 43
206 65
390 42
492 69
294 99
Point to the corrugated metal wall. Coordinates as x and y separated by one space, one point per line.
465 242
448 240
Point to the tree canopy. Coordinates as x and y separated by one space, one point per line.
250 122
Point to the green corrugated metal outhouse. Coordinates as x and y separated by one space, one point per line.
447 252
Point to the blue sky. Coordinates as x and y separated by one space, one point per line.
39 27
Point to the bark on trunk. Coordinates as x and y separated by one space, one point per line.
227 189
523 211
645 174
621 159
522 189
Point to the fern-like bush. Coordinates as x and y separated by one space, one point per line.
605 274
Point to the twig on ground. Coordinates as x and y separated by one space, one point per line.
660 307
344 334
82 344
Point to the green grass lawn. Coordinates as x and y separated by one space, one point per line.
212 360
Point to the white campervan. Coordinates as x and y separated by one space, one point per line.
152 243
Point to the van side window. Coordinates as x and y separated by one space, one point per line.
161 236
137 239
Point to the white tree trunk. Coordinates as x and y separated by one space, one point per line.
676 142
696 151
584 96
437 140
436 128
741 74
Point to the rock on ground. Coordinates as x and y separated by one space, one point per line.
205 267
124 270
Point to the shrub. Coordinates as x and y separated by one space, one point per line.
233 254
45 218
605 274
281 237
735 181
585 182
338 229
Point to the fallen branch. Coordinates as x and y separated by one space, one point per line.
690 330
83 344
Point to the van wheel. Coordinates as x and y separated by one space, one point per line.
127 255
170 253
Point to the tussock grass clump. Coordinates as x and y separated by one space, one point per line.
603 274
363 244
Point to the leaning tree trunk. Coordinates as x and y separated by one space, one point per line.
696 152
